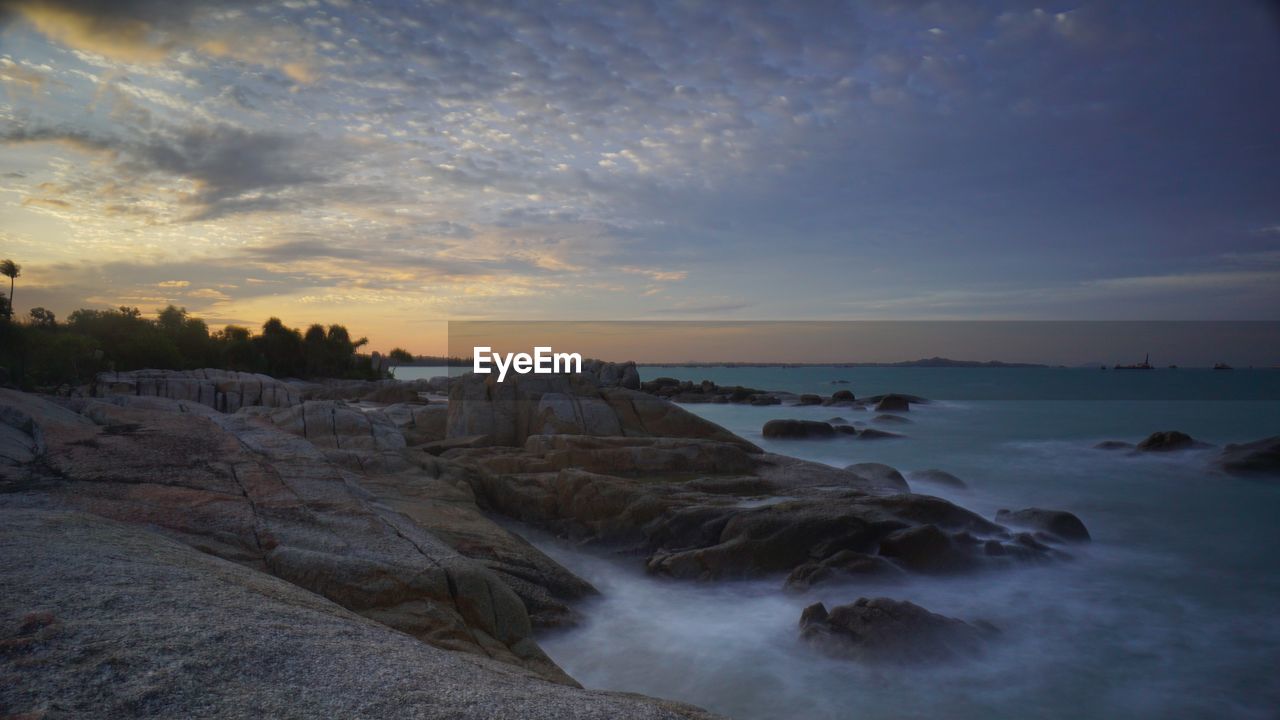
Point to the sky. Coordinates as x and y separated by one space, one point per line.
394 165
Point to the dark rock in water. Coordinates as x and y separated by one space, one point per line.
892 420
879 472
1168 440
924 548
873 434
891 631
809 399
763 400
798 429
938 477
1113 445
1056 522
846 429
845 563
837 420
1260 457
842 396
893 403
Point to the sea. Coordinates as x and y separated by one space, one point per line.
1172 611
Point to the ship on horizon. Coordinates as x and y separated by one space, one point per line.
1144 365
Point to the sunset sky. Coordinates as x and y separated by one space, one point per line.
395 165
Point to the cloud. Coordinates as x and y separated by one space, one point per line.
231 170
17 75
699 308
657 275
151 31
827 156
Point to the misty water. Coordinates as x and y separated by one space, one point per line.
1169 612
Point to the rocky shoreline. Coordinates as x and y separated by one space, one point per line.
340 538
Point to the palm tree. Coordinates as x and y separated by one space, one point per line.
11 270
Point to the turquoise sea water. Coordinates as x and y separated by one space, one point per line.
1171 612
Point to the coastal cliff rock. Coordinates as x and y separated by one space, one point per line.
104 619
891 631
239 488
222 390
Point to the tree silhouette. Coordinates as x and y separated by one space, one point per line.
11 270
43 318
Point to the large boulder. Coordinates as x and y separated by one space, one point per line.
893 403
1059 523
881 630
941 478
222 390
104 619
1260 457
885 474
419 423
1166 441
610 374
798 430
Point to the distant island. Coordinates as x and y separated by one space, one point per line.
933 362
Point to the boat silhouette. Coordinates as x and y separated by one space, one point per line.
1144 365
1221 366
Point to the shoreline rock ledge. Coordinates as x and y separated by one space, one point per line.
105 619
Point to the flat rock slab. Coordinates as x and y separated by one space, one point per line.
103 619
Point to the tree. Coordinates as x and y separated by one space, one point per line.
316 348
281 348
399 356
238 352
11 270
43 318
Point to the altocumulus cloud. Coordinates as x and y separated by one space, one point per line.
653 157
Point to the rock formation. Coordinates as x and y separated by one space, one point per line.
106 619
1260 457
891 631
